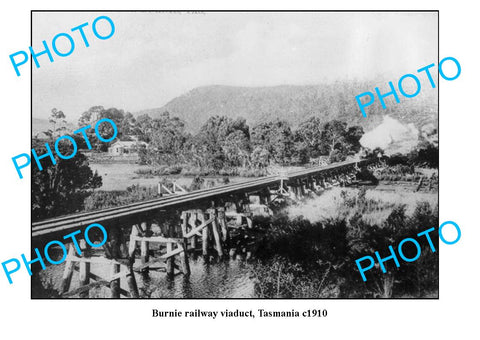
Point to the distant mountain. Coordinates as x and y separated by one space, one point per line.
40 125
295 104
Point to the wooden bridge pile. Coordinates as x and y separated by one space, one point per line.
164 239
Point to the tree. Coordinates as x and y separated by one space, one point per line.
56 118
352 137
217 128
106 130
277 138
333 136
310 134
222 142
128 124
236 148
260 157
167 140
93 115
61 189
143 127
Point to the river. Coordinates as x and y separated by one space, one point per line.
218 279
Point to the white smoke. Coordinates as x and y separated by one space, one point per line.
391 136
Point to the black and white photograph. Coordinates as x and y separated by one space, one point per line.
235 154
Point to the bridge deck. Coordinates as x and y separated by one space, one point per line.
76 221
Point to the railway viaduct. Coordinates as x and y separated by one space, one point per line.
186 222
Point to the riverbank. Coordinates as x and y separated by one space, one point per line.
122 176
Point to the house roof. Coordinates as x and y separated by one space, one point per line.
127 143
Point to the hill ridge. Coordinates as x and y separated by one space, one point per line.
293 103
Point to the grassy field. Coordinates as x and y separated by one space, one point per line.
121 176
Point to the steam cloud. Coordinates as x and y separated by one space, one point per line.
391 136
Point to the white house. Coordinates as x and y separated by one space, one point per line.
121 148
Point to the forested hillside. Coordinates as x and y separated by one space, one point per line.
295 104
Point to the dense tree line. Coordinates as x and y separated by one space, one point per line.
224 142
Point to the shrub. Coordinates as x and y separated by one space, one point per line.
106 199
314 260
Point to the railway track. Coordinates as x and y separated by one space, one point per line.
75 221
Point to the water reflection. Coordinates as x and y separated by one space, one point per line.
216 278
209 279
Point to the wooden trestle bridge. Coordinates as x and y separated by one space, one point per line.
185 221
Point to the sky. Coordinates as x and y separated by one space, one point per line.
154 57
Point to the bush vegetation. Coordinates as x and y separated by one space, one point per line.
226 144
223 146
108 199
317 260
